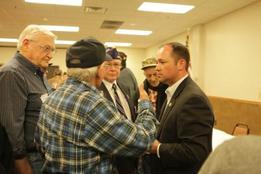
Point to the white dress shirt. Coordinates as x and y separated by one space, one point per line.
122 97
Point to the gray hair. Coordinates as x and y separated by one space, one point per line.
30 31
83 74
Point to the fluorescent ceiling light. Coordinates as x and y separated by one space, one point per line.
8 40
65 42
120 44
164 7
61 28
133 32
58 42
57 2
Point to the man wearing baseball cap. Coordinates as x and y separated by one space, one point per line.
152 85
79 130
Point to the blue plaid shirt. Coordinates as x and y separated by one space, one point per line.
80 130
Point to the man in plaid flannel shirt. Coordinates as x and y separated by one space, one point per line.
80 131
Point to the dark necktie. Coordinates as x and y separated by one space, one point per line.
118 101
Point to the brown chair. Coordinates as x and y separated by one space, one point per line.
240 129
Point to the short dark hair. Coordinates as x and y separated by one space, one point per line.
181 51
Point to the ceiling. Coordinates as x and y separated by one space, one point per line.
16 14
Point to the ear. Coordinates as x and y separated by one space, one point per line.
25 43
181 65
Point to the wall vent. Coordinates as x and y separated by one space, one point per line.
95 10
107 24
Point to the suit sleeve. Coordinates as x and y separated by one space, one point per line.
194 133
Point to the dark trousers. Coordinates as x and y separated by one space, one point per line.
127 165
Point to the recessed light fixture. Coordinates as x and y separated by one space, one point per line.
65 42
165 8
61 28
133 32
57 2
8 40
120 44
58 42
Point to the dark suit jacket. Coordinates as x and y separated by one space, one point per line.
125 165
107 95
185 131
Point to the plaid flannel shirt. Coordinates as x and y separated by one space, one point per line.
80 130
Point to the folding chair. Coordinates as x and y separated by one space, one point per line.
240 129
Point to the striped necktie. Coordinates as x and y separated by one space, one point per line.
118 101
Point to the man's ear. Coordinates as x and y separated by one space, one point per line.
25 43
181 65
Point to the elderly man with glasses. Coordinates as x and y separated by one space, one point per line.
23 88
114 92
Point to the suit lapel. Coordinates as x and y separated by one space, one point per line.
131 105
106 93
162 110
166 113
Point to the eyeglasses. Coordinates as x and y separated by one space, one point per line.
46 49
115 65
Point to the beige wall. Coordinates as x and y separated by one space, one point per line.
232 51
226 54
135 56
152 51
6 53
59 58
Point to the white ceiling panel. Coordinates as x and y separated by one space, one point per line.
16 14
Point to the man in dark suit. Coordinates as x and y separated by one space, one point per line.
186 120
114 92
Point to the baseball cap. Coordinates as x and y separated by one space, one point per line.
86 53
149 62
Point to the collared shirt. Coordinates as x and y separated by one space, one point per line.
80 130
21 88
122 97
171 89
170 92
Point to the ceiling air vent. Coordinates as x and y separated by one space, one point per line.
95 10
111 24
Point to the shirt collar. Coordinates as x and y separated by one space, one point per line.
109 84
171 89
24 61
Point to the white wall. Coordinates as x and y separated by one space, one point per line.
152 51
232 51
226 54
134 59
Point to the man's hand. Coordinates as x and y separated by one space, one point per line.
23 167
143 94
154 147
